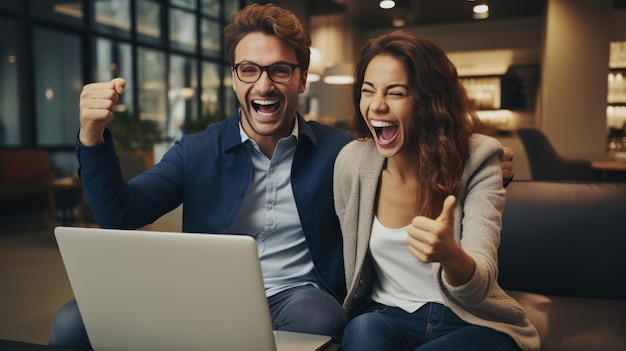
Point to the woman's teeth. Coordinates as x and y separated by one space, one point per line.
381 124
385 131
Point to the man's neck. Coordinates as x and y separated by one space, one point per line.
267 143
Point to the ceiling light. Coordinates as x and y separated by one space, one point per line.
481 11
339 74
316 66
398 22
387 4
481 8
313 77
399 19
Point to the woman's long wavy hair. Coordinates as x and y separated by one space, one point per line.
444 116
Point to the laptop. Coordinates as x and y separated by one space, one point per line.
149 290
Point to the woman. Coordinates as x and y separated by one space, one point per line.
420 198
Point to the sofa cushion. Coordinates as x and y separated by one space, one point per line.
564 239
575 324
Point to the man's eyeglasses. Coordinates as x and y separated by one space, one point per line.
250 72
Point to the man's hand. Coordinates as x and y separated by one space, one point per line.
97 101
507 165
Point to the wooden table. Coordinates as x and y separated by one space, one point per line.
609 166
610 170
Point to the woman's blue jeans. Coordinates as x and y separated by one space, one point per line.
432 327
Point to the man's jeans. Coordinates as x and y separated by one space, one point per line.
432 327
304 309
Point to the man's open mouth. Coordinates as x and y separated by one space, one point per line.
385 131
265 106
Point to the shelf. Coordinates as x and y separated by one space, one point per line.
616 81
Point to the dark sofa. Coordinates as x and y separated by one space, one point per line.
562 257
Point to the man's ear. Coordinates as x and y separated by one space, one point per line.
303 78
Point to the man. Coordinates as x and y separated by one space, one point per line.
265 171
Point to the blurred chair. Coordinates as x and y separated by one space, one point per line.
26 177
546 164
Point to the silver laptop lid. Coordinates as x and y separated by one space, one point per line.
142 290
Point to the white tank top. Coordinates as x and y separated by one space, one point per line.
403 280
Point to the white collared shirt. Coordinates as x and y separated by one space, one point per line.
270 215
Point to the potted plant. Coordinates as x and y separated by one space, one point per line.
198 124
136 135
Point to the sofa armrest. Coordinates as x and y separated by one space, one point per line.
564 239
575 324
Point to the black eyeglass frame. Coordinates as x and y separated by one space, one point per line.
262 69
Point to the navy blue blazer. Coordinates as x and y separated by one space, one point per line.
209 173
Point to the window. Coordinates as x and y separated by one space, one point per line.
211 83
183 30
57 85
59 11
152 85
113 17
182 94
114 59
169 51
148 24
211 38
10 63
14 6
212 8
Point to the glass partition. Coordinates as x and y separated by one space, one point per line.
211 8
148 23
57 86
114 59
183 100
10 61
182 30
152 85
169 51
60 11
211 38
14 6
113 17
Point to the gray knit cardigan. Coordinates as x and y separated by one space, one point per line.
478 222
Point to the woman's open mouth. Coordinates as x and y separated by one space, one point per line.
385 131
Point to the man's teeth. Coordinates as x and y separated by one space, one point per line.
265 102
381 124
